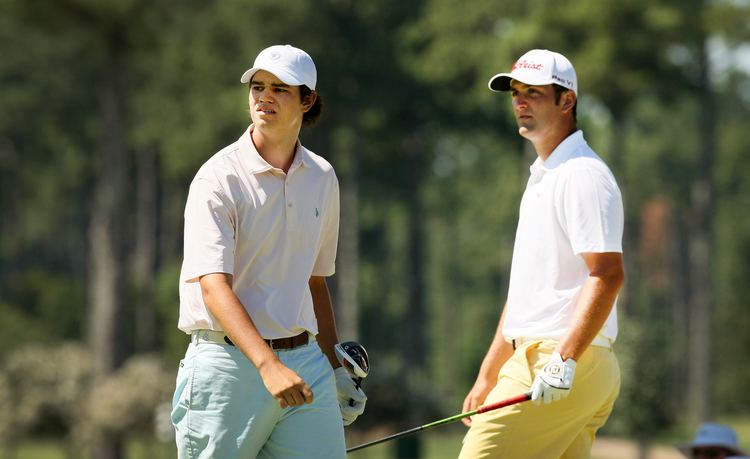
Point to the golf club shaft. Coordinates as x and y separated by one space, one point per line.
358 384
481 409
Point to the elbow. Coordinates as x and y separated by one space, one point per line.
214 285
613 277
611 272
618 279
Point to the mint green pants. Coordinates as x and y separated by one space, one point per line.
222 410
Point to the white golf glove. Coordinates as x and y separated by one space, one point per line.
348 392
554 381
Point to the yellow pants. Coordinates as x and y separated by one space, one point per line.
562 429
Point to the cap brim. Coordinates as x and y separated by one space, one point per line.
687 448
248 75
282 75
500 82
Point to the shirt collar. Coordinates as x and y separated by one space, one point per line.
255 162
301 157
563 152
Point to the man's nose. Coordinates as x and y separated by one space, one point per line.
265 94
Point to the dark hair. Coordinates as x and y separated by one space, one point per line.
312 116
559 90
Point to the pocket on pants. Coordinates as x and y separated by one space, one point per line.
181 397
521 365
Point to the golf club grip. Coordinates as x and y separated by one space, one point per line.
504 403
358 384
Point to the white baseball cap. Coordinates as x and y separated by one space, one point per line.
290 65
538 67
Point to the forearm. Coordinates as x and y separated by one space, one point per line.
231 314
594 306
323 307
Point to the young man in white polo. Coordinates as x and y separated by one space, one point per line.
261 230
559 323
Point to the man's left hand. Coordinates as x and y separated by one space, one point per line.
351 398
554 381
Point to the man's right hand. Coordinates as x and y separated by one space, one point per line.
476 397
284 384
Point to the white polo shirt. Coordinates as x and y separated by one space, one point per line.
270 230
571 205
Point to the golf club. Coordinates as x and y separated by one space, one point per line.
480 410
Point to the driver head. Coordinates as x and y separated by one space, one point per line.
353 357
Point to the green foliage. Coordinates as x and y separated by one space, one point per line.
172 342
50 390
6 422
127 401
732 268
48 385
54 305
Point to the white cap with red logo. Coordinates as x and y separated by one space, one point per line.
538 67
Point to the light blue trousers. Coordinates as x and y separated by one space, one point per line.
222 410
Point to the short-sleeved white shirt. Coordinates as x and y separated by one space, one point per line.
571 205
270 230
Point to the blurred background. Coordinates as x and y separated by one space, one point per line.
108 108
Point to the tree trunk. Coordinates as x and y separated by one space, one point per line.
681 293
106 273
642 448
144 255
107 446
416 324
702 207
451 315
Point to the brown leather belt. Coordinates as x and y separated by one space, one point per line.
219 337
281 343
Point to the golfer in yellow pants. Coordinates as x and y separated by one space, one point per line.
564 429
555 334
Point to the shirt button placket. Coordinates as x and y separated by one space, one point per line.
291 215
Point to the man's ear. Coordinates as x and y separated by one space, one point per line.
568 100
309 101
